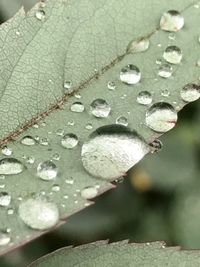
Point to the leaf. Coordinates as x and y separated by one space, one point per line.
120 254
84 42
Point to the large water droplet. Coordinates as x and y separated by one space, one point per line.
165 71
89 192
47 170
161 117
130 74
77 107
10 166
69 141
111 151
28 140
144 98
40 14
173 54
100 108
38 213
171 21
4 238
5 199
138 46
190 92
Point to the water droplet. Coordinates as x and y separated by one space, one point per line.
71 123
161 117
69 141
4 238
28 140
172 36
111 85
100 108
88 126
5 199
40 14
171 21
130 74
38 213
69 181
77 96
173 54
77 107
65 196
190 92
89 192
165 70
55 188
68 87
198 62
44 141
159 61
144 98
60 132
10 211
138 46
10 166
56 156
17 33
30 160
7 151
111 151
165 93
47 170
155 146
122 120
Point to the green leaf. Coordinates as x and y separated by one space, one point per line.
84 42
120 254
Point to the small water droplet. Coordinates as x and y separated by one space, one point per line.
159 61
77 107
88 126
71 123
38 213
28 140
122 120
111 85
100 108
161 117
4 238
47 170
55 188
173 54
17 33
44 141
155 146
65 196
138 46
165 70
60 132
130 74
40 14
30 160
111 151
69 181
78 96
144 98
190 92
171 21
68 87
56 156
165 93
10 166
7 151
89 192
5 199
10 211
69 141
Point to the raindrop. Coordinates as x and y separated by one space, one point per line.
89 192
77 107
28 140
88 126
68 87
144 98
111 151
5 199
138 46
190 92
38 213
172 36
40 14
171 21
55 188
165 93
4 238
100 108
130 74
44 141
69 181
30 160
122 120
56 156
198 62
165 70
155 146
161 117
47 170
71 123
7 151
10 166
60 132
69 141
111 85
173 54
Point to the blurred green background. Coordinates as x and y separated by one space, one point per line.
159 200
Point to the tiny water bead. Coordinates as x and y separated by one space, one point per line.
165 93
111 151
171 21
173 54
122 120
10 166
165 70
69 141
68 87
7 151
28 140
89 192
190 92
144 98
138 46
155 146
130 74
77 107
5 199
40 14
38 213
100 108
47 170
4 238
161 117
111 85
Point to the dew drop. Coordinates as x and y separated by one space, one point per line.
100 108
5 199
4 238
44 141
89 192
28 140
10 166
165 93
56 156
144 98
30 160
138 46
68 87
69 181
161 117
190 92
122 120
7 151
130 74
165 70
172 36
77 107
71 123
111 85
69 141
10 211
88 126
47 170
60 132
38 213
173 54
171 21
111 151
40 14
